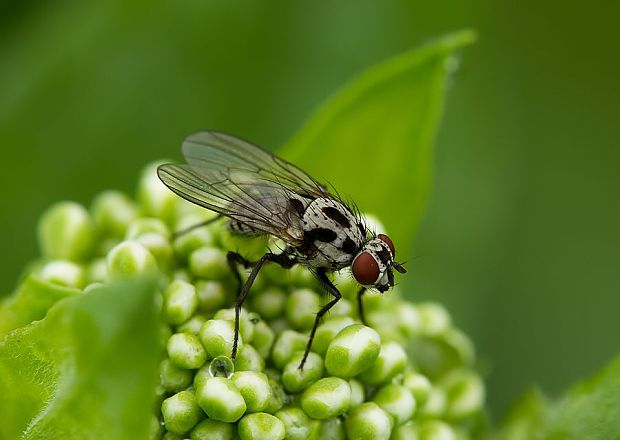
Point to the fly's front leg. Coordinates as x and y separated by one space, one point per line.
321 275
233 257
360 305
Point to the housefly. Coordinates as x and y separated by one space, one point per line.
260 194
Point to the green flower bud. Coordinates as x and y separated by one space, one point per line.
112 213
212 295
146 225
97 271
188 242
296 380
435 318
261 426
436 430
156 430
332 429
347 285
464 393
301 307
221 366
63 273
181 412
327 397
210 263
298 425
392 360
437 355
220 399
130 258
263 338
461 344
405 432
328 330
66 231
93 286
409 319
182 274
248 359
353 350
279 325
172 378
212 430
269 303
158 246
246 326
435 406
397 401
165 332
185 350
186 210
286 345
419 385
368 422
358 394
342 308
217 336
253 247
180 302
278 396
299 276
192 325
154 197
255 389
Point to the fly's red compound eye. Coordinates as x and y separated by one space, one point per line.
365 269
384 238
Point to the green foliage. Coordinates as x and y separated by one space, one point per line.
85 371
375 137
588 411
88 368
31 302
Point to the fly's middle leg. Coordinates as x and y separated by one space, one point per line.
325 282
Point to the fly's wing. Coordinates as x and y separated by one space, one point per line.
241 181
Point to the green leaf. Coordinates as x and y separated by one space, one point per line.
590 410
88 370
31 302
374 139
524 420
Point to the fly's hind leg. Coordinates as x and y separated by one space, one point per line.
235 259
184 231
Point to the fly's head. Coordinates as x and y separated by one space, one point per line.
374 263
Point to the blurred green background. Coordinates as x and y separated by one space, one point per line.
521 239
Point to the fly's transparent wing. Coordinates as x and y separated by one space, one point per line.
206 149
242 181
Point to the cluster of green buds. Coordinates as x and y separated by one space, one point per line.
409 374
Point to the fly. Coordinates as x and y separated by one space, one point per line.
262 194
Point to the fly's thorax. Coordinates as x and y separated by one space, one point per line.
332 234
